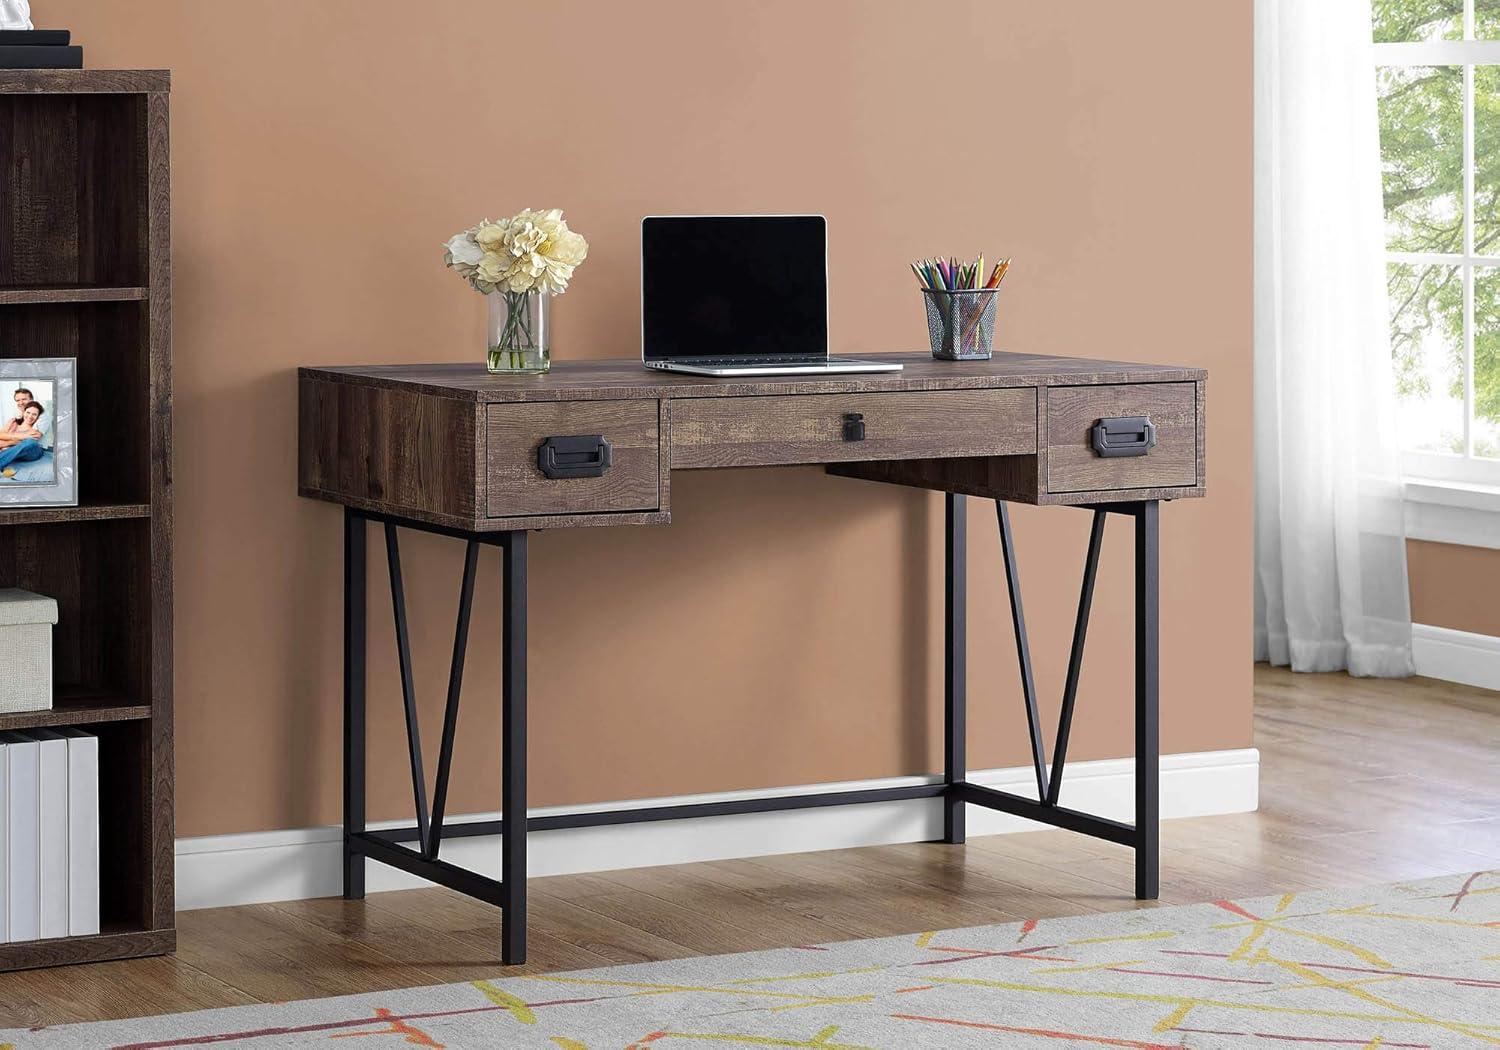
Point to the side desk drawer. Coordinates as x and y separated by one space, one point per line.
516 484
833 428
1073 465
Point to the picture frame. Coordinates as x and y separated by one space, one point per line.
38 435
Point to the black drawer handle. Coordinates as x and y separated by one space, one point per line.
1124 436
580 456
854 426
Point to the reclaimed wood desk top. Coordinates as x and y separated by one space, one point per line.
599 380
454 445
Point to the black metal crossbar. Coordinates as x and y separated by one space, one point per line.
450 709
1023 647
377 847
600 818
408 690
1075 656
1046 813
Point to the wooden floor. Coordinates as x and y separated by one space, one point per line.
1361 781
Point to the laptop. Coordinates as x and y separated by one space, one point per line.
738 295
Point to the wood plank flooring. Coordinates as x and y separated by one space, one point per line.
1361 781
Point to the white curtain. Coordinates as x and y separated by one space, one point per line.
1330 545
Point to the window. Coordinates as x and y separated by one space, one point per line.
1438 79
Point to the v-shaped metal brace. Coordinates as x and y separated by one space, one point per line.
1048 787
430 824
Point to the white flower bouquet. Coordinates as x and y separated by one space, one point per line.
519 263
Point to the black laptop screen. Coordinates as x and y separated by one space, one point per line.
734 286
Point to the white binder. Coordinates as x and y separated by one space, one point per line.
54 831
83 832
23 838
4 842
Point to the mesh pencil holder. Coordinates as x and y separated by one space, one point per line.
961 323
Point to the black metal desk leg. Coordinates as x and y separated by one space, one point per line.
1147 682
354 700
513 756
955 663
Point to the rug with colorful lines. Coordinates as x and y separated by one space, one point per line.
1412 965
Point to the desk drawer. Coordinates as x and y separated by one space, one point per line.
811 428
1072 411
515 433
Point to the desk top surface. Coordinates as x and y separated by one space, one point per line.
612 379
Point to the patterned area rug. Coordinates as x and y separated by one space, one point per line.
1412 965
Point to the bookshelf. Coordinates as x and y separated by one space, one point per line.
85 273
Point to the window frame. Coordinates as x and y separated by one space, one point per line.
1464 468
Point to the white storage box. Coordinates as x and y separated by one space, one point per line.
26 621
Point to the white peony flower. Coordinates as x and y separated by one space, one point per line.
462 251
532 251
490 235
492 267
523 239
570 247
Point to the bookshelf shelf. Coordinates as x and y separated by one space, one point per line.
83 512
77 710
78 293
85 273
118 942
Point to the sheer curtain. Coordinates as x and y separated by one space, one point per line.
1330 545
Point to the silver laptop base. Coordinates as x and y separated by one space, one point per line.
818 366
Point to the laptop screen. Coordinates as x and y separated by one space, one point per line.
734 286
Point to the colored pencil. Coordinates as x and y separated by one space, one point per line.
949 275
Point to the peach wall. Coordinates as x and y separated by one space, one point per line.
323 150
1453 586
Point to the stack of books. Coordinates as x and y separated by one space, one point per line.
38 49
49 829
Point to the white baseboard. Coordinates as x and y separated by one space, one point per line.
256 867
1456 656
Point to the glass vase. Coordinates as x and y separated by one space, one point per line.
519 333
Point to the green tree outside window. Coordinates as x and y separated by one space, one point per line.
1422 130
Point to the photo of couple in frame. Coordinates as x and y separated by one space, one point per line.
38 454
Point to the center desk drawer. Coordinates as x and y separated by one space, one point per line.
820 428
516 432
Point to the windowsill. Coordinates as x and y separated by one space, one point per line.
1453 512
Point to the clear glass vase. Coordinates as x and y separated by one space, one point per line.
519 333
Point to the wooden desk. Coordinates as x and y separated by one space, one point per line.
452 450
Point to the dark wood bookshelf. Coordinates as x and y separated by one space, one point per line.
85 273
